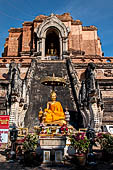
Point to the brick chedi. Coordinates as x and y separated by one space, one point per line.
79 38
61 45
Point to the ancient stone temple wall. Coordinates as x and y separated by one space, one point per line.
74 37
78 46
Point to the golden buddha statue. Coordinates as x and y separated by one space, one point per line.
53 114
52 51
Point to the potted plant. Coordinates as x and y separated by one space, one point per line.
106 143
29 146
81 144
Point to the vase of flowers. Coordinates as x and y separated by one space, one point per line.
81 144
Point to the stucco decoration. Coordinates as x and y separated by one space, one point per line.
52 22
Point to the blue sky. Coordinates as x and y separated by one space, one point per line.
91 12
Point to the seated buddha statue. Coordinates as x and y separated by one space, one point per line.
53 114
52 51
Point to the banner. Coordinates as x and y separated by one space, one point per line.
4 128
4 121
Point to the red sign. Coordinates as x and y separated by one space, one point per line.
4 122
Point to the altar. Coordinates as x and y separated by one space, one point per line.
53 124
53 149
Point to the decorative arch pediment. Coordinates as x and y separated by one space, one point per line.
54 22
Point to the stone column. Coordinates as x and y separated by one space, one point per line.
43 47
61 46
65 44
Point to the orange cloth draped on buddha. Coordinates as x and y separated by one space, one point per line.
54 112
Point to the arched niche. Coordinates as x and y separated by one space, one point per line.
52 43
52 25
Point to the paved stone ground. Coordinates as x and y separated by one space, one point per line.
68 165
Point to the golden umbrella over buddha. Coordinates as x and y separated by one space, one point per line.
53 114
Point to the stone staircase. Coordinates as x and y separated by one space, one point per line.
39 94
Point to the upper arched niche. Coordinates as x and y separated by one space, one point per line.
52 43
54 24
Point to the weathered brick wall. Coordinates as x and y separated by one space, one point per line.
39 93
106 86
84 39
6 47
14 42
75 37
104 76
89 42
27 38
80 38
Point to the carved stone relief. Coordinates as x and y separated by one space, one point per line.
108 73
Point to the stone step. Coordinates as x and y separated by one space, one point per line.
40 94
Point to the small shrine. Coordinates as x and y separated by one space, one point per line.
54 124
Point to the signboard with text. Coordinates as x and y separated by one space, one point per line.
4 128
4 121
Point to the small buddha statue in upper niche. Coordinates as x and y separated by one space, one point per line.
52 51
53 114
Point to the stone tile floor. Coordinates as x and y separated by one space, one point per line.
68 165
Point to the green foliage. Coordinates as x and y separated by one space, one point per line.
30 142
80 142
106 141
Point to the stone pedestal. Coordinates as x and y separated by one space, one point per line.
53 149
